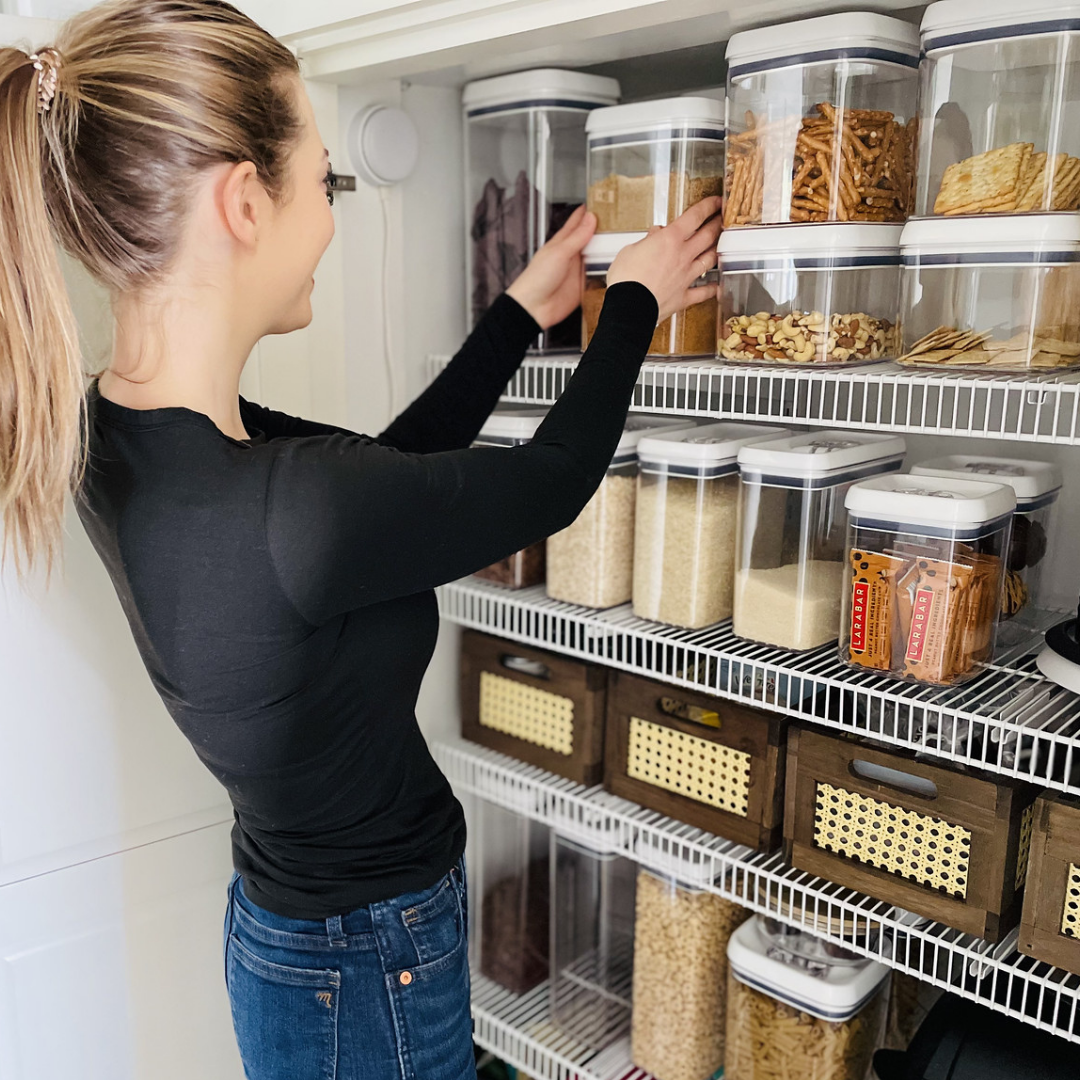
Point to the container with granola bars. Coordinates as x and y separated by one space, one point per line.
822 295
926 557
821 121
1000 90
997 295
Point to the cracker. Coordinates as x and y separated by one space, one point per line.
988 176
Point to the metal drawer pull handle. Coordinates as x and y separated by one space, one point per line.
524 666
894 778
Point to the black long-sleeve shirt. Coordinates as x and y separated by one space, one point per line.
280 592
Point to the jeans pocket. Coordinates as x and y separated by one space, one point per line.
285 1017
436 925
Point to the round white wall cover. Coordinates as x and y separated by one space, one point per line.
383 145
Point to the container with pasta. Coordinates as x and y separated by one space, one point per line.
798 1006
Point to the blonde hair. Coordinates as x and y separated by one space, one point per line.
149 94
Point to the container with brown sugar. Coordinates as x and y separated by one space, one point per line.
650 161
686 333
821 121
800 1006
925 568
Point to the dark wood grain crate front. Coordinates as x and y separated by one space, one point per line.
944 844
534 705
1050 927
709 762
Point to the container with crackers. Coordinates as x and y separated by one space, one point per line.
996 295
1000 90
926 557
821 121
822 295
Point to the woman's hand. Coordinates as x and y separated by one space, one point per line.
669 260
549 288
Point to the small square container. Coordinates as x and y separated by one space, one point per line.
592 942
1037 485
592 562
800 1006
821 121
524 176
994 295
827 295
684 534
790 552
925 571
513 427
999 95
686 333
650 161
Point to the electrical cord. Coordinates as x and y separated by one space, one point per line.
388 359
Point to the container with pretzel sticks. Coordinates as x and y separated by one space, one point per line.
821 121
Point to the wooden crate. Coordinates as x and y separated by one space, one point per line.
953 851
700 759
536 706
1050 927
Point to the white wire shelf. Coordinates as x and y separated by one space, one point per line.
995 976
1009 720
882 397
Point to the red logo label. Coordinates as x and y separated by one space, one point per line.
860 599
920 620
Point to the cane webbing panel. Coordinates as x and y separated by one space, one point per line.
705 771
1023 854
914 846
527 712
1070 917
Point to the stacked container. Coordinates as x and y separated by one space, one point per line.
525 156
684 536
790 551
592 561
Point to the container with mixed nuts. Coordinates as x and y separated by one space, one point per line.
808 338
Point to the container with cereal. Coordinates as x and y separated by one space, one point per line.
800 1006
691 332
790 553
925 570
826 295
684 535
650 161
992 295
821 121
591 562
1000 90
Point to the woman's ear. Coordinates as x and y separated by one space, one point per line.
244 202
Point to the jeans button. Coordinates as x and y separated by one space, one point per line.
405 978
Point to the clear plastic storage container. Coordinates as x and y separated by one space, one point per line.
993 294
651 161
926 559
999 97
799 1006
592 941
592 561
810 294
510 888
790 552
512 427
686 333
1036 485
684 536
524 175
821 121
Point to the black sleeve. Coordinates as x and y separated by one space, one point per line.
448 415
277 425
351 522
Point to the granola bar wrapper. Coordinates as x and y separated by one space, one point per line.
941 605
873 608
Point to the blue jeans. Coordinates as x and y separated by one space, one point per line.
381 993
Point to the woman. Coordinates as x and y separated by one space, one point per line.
277 573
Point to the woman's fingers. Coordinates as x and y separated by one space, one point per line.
690 222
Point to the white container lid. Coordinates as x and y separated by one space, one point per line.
705 445
1032 481
981 234
516 425
638 427
828 991
941 502
601 250
647 116
850 34
820 452
969 22
540 87
809 246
